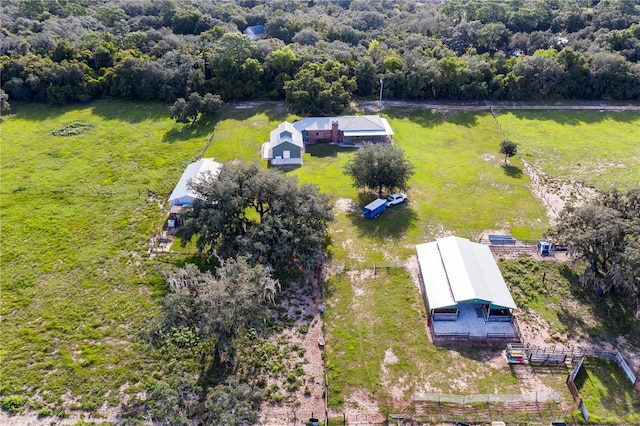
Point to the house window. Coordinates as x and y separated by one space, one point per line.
286 154
317 133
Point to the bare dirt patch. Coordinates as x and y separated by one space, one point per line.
301 307
343 205
489 158
556 193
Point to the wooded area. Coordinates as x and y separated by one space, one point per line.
61 51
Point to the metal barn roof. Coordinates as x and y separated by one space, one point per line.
182 194
456 270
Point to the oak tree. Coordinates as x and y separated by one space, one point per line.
379 166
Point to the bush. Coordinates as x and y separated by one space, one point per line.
12 403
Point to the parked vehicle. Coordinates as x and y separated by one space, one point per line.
374 208
394 199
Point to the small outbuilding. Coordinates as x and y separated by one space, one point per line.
182 194
256 32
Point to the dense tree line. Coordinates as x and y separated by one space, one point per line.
77 50
66 51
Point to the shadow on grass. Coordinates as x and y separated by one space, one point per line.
393 223
613 312
130 111
574 117
323 150
433 117
611 393
185 131
275 111
283 169
512 171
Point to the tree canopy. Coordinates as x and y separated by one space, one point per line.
261 214
61 52
218 306
508 148
319 89
379 166
605 233
207 106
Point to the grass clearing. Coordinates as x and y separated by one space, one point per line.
598 148
607 393
77 214
377 343
573 314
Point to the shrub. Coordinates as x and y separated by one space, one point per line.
12 403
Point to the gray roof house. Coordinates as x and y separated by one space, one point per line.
287 143
285 146
182 193
350 130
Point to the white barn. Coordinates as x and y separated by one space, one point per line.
182 194
458 275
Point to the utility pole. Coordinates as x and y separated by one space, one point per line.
380 101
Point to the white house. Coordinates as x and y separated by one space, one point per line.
182 194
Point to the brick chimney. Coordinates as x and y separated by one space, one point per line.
335 132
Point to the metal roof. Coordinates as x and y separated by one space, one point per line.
456 270
193 171
349 124
375 204
285 132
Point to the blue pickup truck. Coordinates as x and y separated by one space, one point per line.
374 208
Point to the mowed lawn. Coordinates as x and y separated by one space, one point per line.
78 287
595 147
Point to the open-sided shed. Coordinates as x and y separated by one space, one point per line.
456 272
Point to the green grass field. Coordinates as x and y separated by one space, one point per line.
78 287
607 393
598 148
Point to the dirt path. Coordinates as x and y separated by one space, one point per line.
502 105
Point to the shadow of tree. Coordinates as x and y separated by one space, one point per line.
433 117
183 131
275 111
613 313
321 150
393 223
130 111
574 117
512 171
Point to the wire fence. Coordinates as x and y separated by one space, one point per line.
338 266
488 398
488 407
